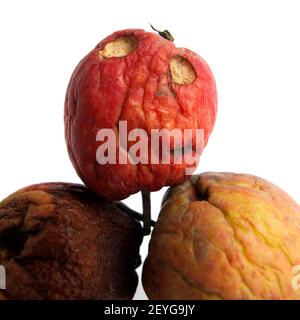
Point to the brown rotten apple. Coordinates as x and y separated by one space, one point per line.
142 79
224 236
60 241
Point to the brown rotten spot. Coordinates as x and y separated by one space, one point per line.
60 241
224 236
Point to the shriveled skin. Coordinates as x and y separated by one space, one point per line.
224 236
60 241
139 89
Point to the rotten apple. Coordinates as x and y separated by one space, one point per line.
140 79
224 236
61 241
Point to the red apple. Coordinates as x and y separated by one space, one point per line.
143 79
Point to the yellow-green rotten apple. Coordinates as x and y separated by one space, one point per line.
224 236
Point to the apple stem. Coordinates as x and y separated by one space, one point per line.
146 212
165 34
123 207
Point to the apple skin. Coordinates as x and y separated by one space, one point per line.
60 241
224 236
136 88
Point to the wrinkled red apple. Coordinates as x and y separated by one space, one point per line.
61 241
141 78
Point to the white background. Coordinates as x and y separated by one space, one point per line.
252 47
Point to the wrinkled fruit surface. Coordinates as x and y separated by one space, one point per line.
224 236
59 241
141 78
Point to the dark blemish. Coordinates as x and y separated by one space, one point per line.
162 93
12 243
